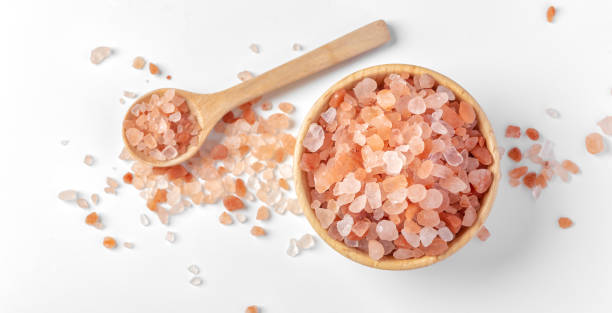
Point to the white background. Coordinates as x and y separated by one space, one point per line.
505 53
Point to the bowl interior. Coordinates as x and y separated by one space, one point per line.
388 262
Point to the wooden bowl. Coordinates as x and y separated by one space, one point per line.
388 262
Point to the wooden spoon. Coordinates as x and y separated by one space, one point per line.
388 262
210 108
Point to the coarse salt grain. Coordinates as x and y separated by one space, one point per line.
88 160
138 63
99 54
254 48
194 269
68 195
196 281
170 237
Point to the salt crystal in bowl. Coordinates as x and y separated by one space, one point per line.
388 262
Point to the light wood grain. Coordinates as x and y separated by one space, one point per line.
210 108
388 262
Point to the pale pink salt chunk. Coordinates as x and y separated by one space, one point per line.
350 185
403 254
174 117
386 230
606 125
416 193
448 92
433 199
453 184
416 145
413 239
149 141
169 152
372 193
395 208
483 234
438 128
393 162
329 115
469 217
245 75
375 249
416 105
99 54
436 100
452 156
361 227
68 195
345 225
445 234
427 235
364 90
481 179
89 160
441 171
314 137
426 81
398 195
358 204
429 218
134 136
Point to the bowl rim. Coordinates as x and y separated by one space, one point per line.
388 262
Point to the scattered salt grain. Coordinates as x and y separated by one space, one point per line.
594 143
88 160
68 195
286 107
565 222
194 269
138 63
297 47
82 203
196 281
245 75
129 94
241 218
109 242
293 249
144 220
170 237
252 309
606 125
553 113
128 245
305 242
254 48
550 14
225 219
95 198
99 54
483 234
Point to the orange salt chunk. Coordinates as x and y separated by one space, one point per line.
451 117
263 213
257 231
240 188
466 112
565 222
219 152
152 205
225 219
288 142
437 247
246 106
594 143
550 14
283 184
513 131
532 133
252 309
244 149
541 180
258 166
337 98
515 154
168 77
128 177
176 171
375 142
483 155
286 107
232 203
393 183
153 69
109 242
570 166
461 131
529 180
385 99
249 116
160 196
229 117
279 155
518 172
91 218
411 226
410 212
452 221
222 170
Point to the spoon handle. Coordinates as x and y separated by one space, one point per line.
352 44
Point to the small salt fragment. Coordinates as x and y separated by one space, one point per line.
305 242
550 14
254 48
565 222
297 47
95 198
241 218
129 94
606 125
68 195
144 220
483 234
88 160
196 281
445 234
286 107
594 143
375 249
553 113
252 309
225 219
194 269
99 54
64 142
111 182
82 203
138 63
427 235
170 237
245 75
345 225
314 137
386 230
128 245
109 242
329 115
293 249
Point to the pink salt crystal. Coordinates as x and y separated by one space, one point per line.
448 92
358 204
481 179
425 169
436 100
426 81
483 233
345 225
169 152
89 160
82 203
297 47
398 196
433 199
138 63
111 182
95 198
314 137
386 230
375 249
393 162
416 193
403 254
427 235
453 184
129 94
134 136
438 128
149 141
416 145
245 75
350 185
174 117
606 125
329 115
469 217
99 54
372 192
385 99
445 234
361 227
413 239
254 48
452 157
364 90
416 105
428 218
553 113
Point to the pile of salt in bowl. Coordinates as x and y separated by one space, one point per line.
161 128
396 168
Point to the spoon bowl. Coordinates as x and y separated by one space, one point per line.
388 262
208 109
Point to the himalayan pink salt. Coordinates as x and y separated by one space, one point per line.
364 90
350 185
138 63
386 230
433 199
325 217
427 235
416 105
88 160
385 99
393 162
344 225
483 234
425 169
68 195
436 100
372 193
329 115
469 217
445 234
95 198
570 166
375 249
358 204
513 131
606 125
413 239
416 193
553 113
453 184
448 92
109 242
245 75
255 48
225 219
403 254
429 218
99 54
314 138
565 222
594 143
480 179
82 203
426 81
